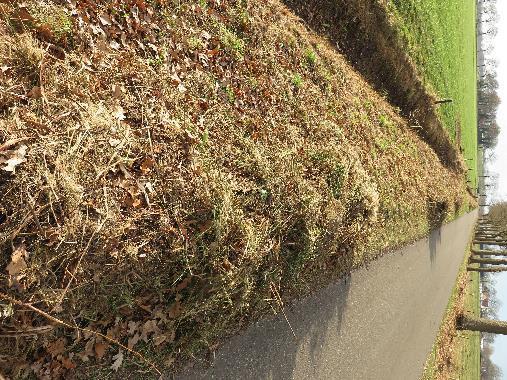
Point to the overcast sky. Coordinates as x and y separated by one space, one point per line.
499 166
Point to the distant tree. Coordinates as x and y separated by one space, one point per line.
488 82
488 103
498 215
489 155
489 370
489 13
488 134
492 31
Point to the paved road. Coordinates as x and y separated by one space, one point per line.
379 324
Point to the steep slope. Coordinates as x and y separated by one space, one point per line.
171 170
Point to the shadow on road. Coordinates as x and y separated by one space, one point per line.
436 216
269 350
434 241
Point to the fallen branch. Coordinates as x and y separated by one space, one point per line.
280 302
26 332
10 143
68 325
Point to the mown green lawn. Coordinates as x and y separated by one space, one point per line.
441 37
470 351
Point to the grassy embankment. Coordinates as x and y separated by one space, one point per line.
442 41
456 354
171 183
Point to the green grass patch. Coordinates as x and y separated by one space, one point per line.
441 38
469 366
456 353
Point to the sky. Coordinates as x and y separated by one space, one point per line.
499 166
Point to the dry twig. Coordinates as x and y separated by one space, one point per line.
68 325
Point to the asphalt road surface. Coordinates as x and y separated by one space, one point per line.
378 324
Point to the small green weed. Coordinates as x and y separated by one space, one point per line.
264 194
157 61
231 42
336 179
310 57
194 43
385 121
297 81
383 144
230 94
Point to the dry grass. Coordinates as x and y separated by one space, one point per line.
170 187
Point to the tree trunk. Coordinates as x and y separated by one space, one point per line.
479 260
484 252
481 236
468 322
487 269
490 242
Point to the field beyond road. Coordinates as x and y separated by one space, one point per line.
441 39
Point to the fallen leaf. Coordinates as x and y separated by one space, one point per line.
102 47
117 92
35 93
23 14
118 360
175 310
131 201
114 142
18 263
119 114
57 347
183 284
169 361
161 314
133 341
14 158
133 326
146 165
181 88
149 187
149 327
100 350
168 337
105 19
45 32
67 363
114 45
175 78
123 39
